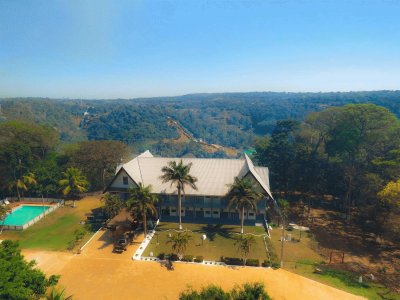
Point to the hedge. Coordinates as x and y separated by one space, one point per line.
187 258
199 259
253 262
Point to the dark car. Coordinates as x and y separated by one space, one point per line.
121 245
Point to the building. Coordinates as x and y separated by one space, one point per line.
206 204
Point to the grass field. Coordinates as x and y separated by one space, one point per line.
220 241
56 230
302 258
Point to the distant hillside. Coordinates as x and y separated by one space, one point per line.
230 120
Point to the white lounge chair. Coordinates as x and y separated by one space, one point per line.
6 202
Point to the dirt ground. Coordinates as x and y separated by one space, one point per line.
362 252
97 273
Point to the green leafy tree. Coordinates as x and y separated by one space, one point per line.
20 279
73 183
4 210
278 154
284 212
244 245
23 183
98 159
141 203
179 174
179 242
113 205
56 294
243 195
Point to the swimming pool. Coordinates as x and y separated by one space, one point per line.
24 214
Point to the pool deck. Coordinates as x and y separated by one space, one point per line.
14 205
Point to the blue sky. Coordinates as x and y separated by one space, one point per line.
126 49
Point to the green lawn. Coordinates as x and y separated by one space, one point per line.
56 230
220 241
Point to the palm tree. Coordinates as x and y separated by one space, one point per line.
244 244
284 210
112 205
73 183
142 203
57 295
23 183
4 209
179 243
179 174
243 195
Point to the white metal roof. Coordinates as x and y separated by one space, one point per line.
214 175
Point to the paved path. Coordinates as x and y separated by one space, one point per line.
98 273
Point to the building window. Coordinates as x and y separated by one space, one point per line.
125 180
207 212
216 212
251 214
173 210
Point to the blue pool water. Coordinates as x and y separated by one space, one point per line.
23 214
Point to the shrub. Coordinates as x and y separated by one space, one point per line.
234 261
199 259
187 258
173 257
250 291
212 292
275 265
252 262
161 256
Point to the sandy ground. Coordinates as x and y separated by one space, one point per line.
97 273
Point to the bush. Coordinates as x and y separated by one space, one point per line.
249 291
173 257
212 292
234 261
199 259
275 265
253 262
187 258
161 256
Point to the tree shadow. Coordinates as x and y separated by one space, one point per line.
212 231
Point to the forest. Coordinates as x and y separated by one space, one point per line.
345 145
229 119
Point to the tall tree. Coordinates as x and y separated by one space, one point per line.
98 159
23 183
21 145
73 183
278 153
4 210
353 137
141 203
113 205
243 245
243 195
284 211
179 174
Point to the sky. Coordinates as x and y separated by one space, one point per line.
125 49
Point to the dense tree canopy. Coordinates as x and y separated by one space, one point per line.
19 279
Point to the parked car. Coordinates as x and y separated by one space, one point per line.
121 245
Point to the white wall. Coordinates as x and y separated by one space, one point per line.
118 182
